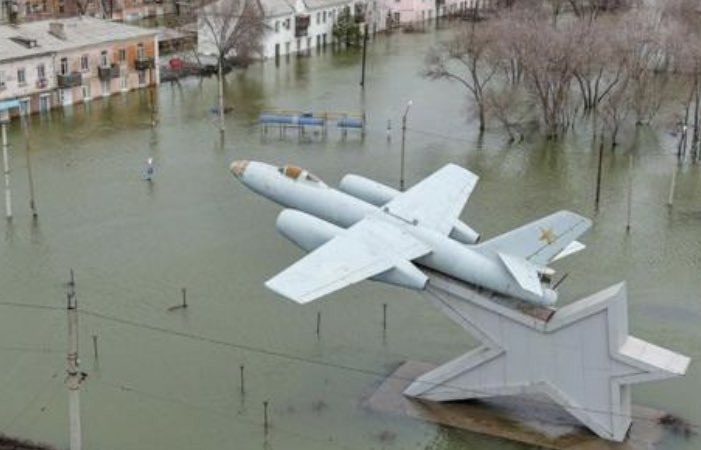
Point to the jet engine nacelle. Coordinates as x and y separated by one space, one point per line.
306 231
309 232
366 189
378 194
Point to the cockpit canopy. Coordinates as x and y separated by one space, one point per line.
296 173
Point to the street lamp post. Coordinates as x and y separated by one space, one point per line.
401 169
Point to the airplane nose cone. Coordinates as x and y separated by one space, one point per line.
238 168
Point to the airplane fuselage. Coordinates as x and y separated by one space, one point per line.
447 256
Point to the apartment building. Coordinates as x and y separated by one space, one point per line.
46 64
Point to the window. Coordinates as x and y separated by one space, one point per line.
140 51
142 77
64 66
41 72
122 55
287 23
318 18
105 88
277 26
84 63
123 82
86 92
324 16
44 5
21 77
103 59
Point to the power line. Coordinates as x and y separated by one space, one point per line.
344 367
31 306
219 413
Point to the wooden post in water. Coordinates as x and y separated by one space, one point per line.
242 388
672 185
630 191
184 291
384 317
265 417
318 324
94 346
598 177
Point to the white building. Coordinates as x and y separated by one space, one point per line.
295 26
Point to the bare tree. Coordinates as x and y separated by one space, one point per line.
464 60
600 57
234 29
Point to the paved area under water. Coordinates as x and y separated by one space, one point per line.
170 379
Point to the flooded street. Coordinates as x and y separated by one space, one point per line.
171 379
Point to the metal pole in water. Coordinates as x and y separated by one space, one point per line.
6 166
75 378
365 45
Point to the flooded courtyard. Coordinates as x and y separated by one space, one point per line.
170 379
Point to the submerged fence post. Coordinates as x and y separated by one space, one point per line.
242 388
265 417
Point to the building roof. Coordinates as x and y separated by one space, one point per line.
274 8
77 32
320 4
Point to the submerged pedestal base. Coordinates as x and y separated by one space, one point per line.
580 356
533 421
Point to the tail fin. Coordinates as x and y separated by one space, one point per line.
541 241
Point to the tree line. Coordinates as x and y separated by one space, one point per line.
554 62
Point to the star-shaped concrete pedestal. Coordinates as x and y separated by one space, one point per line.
580 355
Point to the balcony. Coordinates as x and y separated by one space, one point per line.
144 63
68 80
42 83
106 73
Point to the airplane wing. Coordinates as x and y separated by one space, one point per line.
366 249
541 241
437 200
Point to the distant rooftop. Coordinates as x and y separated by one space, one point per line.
46 36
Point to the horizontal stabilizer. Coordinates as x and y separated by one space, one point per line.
523 272
571 249
541 241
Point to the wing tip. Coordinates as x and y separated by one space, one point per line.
275 287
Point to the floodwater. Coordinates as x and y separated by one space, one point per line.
171 379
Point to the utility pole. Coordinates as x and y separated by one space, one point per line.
32 202
365 46
401 169
75 378
6 165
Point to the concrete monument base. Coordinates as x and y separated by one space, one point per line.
579 357
529 420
